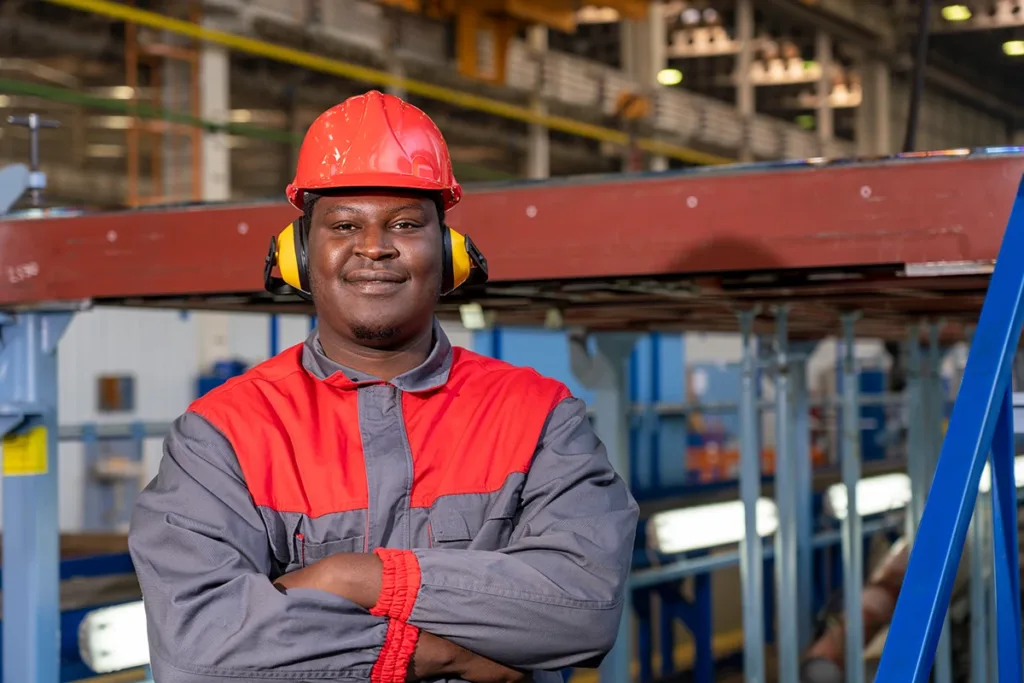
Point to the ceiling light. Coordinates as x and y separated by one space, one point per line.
956 12
670 77
875 495
708 526
1014 48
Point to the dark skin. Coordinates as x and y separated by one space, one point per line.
375 275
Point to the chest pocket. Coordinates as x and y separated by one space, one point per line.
457 523
306 551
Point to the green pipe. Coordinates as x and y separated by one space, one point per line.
145 110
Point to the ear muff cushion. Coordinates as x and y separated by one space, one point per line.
302 253
447 280
461 263
287 258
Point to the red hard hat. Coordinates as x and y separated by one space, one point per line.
374 140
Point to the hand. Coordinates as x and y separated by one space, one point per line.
477 669
353 576
436 657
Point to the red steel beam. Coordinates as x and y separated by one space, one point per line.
897 212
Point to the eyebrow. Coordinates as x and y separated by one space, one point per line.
337 208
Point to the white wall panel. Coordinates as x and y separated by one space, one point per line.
158 348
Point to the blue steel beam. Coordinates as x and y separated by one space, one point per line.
924 599
31 539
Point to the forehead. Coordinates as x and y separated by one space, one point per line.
374 202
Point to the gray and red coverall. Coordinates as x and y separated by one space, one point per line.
482 486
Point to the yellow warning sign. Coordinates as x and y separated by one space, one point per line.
25 453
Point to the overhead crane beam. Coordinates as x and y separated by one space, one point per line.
897 239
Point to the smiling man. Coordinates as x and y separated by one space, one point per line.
374 504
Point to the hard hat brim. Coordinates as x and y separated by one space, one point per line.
377 181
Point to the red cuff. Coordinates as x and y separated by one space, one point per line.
399 645
399 585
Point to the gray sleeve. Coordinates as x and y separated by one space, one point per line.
553 597
203 559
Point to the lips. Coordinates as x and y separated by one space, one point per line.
374 276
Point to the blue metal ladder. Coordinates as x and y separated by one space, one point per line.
981 424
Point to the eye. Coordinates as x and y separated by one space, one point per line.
343 226
406 225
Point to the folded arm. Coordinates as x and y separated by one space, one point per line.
203 560
553 597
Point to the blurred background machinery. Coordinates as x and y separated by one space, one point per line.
162 105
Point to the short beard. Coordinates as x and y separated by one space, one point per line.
376 334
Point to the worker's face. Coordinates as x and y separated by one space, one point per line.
375 266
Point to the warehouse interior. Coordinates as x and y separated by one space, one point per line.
755 236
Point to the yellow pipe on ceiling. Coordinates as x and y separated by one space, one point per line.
335 67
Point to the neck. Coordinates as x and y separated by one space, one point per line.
385 363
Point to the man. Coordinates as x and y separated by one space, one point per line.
374 504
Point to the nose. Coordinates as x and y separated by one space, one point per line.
375 244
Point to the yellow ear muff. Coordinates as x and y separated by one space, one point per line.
287 259
462 263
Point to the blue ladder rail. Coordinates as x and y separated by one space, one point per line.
981 422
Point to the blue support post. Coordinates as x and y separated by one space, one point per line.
922 604
853 535
274 325
1005 537
916 458
751 548
979 595
804 512
31 539
787 603
95 495
604 372
979 584
933 407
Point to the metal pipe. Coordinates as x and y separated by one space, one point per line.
804 503
853 546
943 666
978 589
751 548
785 500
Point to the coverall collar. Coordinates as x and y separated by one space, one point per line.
429 375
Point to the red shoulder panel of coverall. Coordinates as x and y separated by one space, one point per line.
482 426
296 438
